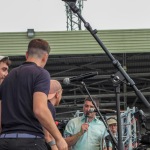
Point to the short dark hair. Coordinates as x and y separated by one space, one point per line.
37 45
95 99
6 60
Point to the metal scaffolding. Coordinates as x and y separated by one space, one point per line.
73 21
129 134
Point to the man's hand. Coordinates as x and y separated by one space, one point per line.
54 147
61 144
84 127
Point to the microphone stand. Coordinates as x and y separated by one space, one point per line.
117 79
86 118
115 62
100 115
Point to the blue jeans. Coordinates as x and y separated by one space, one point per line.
22 144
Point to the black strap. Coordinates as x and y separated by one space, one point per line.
107 140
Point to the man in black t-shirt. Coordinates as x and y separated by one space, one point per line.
54 98
23 103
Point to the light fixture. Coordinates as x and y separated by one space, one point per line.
30 33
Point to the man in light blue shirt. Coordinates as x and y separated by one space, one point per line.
85 132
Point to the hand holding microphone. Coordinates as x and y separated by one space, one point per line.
85 125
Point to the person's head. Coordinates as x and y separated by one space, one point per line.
88 105
112 123
55 93
38 49
4 66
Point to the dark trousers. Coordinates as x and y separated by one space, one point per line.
22 144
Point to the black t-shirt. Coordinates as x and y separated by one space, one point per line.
16 93
52 109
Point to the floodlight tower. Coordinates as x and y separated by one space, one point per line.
73 21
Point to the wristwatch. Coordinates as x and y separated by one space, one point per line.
51 143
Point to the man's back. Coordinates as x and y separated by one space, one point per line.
20 85
23 103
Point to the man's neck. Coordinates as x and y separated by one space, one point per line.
34 60
53 101
90 119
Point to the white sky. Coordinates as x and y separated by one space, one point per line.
50 15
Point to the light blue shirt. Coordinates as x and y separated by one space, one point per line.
91 139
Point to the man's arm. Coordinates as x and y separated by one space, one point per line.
44 116
71 140
50 140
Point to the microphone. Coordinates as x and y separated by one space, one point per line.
81 77
92 110
86 119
